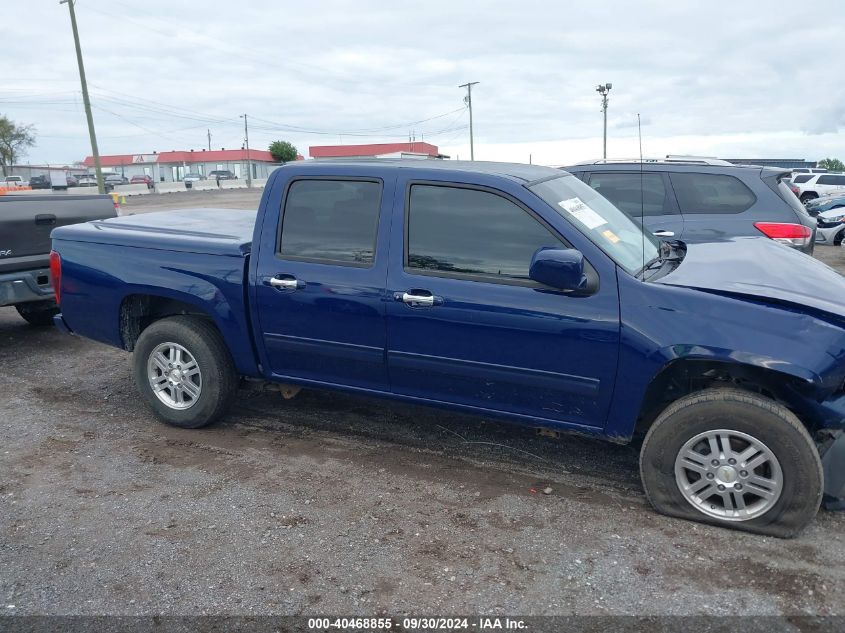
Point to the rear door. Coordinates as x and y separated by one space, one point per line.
467 326
714 205
643 196
320 280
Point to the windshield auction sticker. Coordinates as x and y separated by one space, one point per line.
582 212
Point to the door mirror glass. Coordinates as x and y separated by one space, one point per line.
561 268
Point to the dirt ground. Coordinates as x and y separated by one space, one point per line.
330 503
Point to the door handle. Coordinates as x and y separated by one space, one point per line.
45 219
291 283
416 300
662 233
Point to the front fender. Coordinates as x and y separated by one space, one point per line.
663 324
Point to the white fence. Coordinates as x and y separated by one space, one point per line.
170 187
132 190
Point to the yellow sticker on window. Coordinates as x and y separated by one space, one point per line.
611 236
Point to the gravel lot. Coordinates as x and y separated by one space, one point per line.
337 504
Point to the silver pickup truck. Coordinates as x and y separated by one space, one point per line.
25 225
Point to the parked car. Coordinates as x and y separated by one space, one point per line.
831 226
142 179
191 178
14 181
40 182
87 180
25 225
72 181
506 290
698 202
826 203
809 170
818 185
110 181
221 174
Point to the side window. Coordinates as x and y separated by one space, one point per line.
331 221
831 179
623 190
472 232
711 193
802 178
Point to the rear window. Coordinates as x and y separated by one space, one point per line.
711 193
801 178
331 221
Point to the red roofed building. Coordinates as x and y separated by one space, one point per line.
414 149
172 166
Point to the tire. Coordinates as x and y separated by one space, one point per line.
741 415
203 361
806 197
38 313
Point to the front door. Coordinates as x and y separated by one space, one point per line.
467 326
319 296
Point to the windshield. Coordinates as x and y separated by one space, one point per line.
605 225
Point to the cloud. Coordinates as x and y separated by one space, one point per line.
332 71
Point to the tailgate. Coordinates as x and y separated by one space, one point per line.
26 222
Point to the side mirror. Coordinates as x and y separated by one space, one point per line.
561 268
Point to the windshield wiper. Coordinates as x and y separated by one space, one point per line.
666 253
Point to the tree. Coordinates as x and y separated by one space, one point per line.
283 151
14 141
832 164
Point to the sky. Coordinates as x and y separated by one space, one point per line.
744 79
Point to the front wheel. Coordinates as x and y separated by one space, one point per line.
184 371
735 459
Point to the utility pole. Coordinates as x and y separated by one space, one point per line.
468 101
248 163
604 90
209 140
98 169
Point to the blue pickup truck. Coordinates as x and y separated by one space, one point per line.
507 290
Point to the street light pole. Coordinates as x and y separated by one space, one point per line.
604 90
248 163
468 100
98 169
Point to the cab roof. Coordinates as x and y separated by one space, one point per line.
514 171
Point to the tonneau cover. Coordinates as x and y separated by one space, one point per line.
212 231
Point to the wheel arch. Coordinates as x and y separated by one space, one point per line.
683 376
139 310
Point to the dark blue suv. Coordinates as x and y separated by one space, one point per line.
700 202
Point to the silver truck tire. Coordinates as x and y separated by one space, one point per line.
735 459
184 372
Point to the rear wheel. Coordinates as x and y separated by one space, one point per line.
39 313
184 371
735 459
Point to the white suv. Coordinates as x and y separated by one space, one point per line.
812 186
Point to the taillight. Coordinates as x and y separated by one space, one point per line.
56 275
794 190
796 235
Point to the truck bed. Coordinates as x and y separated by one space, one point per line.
115 269
183 230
